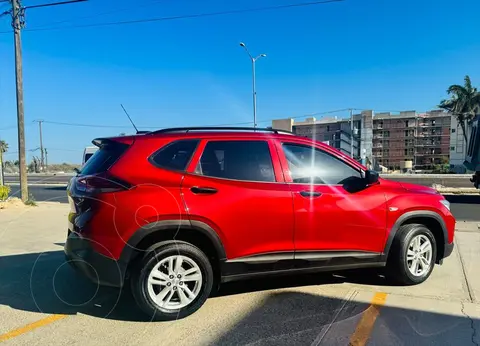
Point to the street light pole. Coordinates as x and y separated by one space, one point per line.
254 91
254 95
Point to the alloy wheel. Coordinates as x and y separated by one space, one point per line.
174 282
419 255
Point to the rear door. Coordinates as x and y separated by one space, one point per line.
237 188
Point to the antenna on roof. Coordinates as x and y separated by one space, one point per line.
129 118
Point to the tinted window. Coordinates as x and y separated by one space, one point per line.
239 160
103 158
176 155
88 156
313 166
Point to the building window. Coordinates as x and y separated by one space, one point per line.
452 148
453 130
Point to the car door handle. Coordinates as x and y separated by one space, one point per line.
312 194
203 190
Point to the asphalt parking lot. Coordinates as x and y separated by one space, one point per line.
43 301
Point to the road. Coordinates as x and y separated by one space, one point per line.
53 193
464 207
44 302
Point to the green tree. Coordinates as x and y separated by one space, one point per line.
463 104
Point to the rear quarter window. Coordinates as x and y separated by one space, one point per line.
176 155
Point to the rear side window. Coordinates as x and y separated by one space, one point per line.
239 160
175 156
103 158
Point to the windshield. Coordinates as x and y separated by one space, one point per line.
103 158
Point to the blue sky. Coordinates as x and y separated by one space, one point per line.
371 54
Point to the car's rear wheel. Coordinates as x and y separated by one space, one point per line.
412 256
172 281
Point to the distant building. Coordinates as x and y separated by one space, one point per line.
421 138
458 146
334 132
408 140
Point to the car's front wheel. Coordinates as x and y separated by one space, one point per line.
172 281
412 256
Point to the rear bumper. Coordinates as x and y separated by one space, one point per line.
97 267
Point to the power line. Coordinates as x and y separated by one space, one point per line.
157 127
187 16
100 14
85 125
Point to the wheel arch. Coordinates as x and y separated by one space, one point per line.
195 232
432 220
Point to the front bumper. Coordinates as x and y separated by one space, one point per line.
97 267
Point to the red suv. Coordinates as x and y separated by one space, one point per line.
179 211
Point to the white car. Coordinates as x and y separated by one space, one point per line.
88 153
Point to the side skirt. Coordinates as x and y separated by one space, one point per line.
303 262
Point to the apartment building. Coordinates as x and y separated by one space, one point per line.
422 139
333 131
408 139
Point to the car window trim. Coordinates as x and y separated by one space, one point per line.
152 161
206 140
282 143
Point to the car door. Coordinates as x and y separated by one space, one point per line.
237 188
333 210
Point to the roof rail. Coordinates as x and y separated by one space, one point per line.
218 128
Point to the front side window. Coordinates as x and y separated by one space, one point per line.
239 160
176 155
309 165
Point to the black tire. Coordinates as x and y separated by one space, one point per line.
397 267
139 280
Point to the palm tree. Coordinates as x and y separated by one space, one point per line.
3 146
464 103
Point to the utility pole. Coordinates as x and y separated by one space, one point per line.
1 168
18 23
46 159
351 133
42 158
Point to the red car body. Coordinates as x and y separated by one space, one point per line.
247 228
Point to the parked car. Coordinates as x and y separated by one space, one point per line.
176 212
88 153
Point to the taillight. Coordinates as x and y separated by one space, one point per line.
101 184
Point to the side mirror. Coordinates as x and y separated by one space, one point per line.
371 177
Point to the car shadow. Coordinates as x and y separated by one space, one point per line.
45 282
